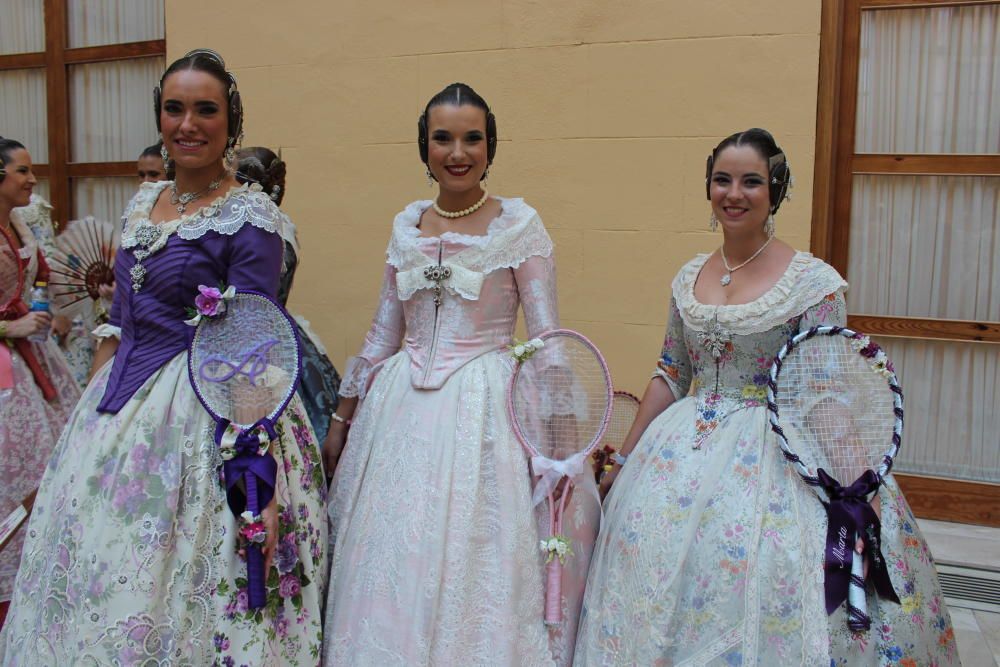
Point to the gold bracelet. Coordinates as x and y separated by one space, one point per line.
3 328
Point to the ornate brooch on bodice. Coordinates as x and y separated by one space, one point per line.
714 338
437 274
147 236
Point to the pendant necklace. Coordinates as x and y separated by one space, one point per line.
728 277
182 200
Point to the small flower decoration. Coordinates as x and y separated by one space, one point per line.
557 546
210 302
882 365
253 528
602 459
522 350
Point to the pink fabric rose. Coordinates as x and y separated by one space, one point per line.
208 301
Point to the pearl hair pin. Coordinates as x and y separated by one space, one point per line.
465 211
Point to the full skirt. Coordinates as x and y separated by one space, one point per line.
132 557
436 557
29 429
714 556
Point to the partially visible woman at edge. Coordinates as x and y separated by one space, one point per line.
436 556
133 556
37 390
319 380
712 548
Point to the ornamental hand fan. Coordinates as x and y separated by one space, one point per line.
837 409
83 261
559 404
244 366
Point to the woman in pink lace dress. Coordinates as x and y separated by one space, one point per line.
436 557
37 391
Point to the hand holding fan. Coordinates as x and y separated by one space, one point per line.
559 403
83 261
244 366
837 408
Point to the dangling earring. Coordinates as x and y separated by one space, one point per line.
166 157
230 155
713 222
430 178
769 226
486 176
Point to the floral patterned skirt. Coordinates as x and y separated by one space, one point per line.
131 556
436 557
714 556
29 429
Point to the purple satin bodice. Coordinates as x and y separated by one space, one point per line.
246 256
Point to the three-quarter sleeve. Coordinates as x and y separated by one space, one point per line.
674 366
255 257
830 311
536 287
384 337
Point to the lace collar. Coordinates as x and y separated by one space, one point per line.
803 284
226 215
513 236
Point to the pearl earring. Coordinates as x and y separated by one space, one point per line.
713 222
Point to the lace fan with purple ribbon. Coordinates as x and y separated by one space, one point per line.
244 365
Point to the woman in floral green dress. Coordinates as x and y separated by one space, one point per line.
711 552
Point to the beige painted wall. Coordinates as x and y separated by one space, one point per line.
606 111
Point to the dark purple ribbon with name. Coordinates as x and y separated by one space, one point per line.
848 515
259 473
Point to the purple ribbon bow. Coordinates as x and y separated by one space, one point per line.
848 515
259 473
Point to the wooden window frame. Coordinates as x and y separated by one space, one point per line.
56 59
836 165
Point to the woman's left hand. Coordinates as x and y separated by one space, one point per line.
269 515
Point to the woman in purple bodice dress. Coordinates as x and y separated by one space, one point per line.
131 555
436 557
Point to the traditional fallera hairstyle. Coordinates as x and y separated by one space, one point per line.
258 164
779 177
7 146
458 94
151 151
210 62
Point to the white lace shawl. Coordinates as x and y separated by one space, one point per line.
805 282
226 215
512 237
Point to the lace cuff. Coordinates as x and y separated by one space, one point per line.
355 380
107 331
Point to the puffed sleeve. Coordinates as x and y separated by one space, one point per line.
830 311
254 261
674 366
382 341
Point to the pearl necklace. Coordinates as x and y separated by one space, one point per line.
182 200
728 277
465 211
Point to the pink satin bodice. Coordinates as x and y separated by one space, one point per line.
448 300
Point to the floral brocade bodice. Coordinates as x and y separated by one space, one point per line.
721 355
450 299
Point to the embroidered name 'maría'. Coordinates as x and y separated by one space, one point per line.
840 551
